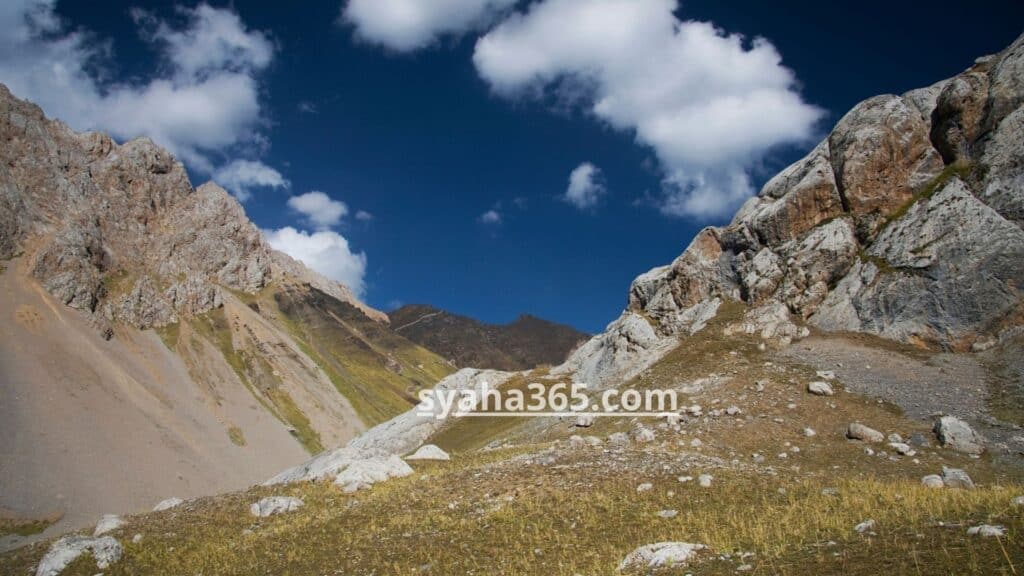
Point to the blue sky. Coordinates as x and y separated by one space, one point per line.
450 135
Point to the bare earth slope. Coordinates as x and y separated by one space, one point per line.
144 354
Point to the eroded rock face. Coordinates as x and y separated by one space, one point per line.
118 231
905 222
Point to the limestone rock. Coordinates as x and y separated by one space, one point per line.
105 551
858 431
987 531
956 478
272 505
168 504
108 523
820 389
661 555
365 473
958 435
933 481
429 452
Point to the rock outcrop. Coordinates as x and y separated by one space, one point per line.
905 222
118 231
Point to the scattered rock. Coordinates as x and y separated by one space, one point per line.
661 555
733 411
1018 502
168 504
987 531
365 473
865 527
275 505
643 435
619 439
668 514
705 480
933 481
956 478
919 440
826 375
820 389
958 435
858 431
584 420
105 551
809 432
137 538
902 449
645 487
429 452
108 523
894 438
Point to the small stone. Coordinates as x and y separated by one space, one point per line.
137 538
810 432
643 435
933 481
667 514
894 438
705 480
645 487
429 452
168 504
619 439
826 374
820 389
956 478
865 527
1018 502
733 410
902 449
584 420
275 505
660 555
685 479
858 431
696 443
987 531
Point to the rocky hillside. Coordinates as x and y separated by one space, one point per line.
526 343
154 344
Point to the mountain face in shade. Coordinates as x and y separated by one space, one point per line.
525 343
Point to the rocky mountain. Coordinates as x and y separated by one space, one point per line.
846 349
154 344
526 343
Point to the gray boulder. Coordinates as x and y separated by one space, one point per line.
958 435
956 478
105 551
272 505
858 431
661 555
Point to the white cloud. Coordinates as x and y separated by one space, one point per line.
406 25
202 104
490 217
241 176
325 251
364 215
709 104
585 186
319 209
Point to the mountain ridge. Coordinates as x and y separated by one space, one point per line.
524 343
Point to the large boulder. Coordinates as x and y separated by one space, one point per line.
105 551
954 433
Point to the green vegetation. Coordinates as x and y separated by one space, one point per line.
961 170
236 436
515 518
378 371
24 526
118 283
170 334
258 377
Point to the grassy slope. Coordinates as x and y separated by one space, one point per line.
378 371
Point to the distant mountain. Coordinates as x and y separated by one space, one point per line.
526 343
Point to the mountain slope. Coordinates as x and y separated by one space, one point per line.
153 344
526 343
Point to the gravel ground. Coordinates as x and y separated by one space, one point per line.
923 384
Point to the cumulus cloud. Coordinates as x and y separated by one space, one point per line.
586 186
407 25
490 217
709 104
241 176
202 104
319 209
325 251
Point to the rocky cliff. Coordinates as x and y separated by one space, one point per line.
905 222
